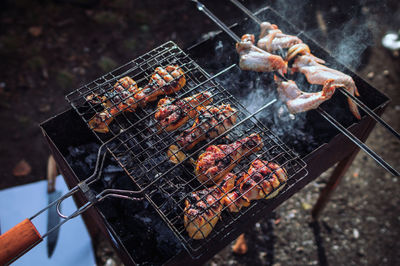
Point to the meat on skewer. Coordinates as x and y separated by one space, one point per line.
218 160
316 73
255 59
298 101
203 208
211 122
172 114
164 81
272 39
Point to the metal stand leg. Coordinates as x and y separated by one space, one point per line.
339 172
333 182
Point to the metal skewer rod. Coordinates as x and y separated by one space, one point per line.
246 11
356 141
364 107
370 112
324 114
216 20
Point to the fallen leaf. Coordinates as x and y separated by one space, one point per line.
35 31
356 172
240 246
22 168
306 206
44 108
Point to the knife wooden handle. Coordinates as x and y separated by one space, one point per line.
18 240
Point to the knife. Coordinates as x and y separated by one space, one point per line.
52 219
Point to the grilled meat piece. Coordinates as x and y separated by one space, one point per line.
124 87
120 99
210 123
272 39
255 59
203 208
316 73
218 160
128 96
235 201
257 183
164 81
298 101
172 114
261 179
311 66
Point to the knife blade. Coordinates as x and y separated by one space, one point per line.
52 219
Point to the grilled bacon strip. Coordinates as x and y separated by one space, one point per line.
203 208
128 96
218 160
211 122
172 114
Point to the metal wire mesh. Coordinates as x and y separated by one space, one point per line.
141 140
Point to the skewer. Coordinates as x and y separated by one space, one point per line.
360 104
323 113
371 113
356 141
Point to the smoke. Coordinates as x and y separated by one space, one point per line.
340 26
354 39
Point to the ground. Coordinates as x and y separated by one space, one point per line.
48 48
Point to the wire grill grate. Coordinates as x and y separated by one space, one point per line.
140 144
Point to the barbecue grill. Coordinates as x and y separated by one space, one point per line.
138 146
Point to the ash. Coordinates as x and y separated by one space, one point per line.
136 223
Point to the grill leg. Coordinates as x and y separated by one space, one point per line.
333 182
341 168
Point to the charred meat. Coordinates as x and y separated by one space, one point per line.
218 160
172 114
164 81
211 122
263 180
124 87
127 96
203 208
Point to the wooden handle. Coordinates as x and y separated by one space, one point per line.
51 174
18 240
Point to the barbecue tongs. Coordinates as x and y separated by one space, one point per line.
201 7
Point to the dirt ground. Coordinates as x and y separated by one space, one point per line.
48 48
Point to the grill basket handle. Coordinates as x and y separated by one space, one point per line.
18 240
